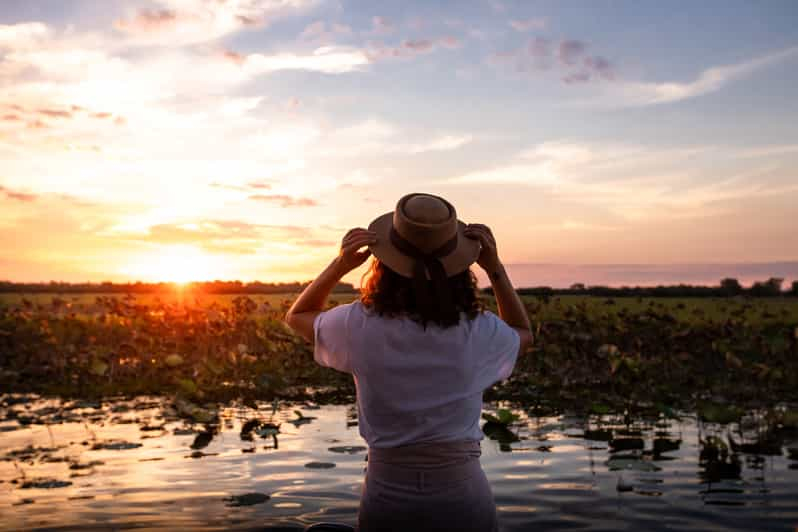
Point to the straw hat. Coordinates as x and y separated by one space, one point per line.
422 234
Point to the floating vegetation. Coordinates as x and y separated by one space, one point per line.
664 350
115 445
45 483
247 499
348 449
320 465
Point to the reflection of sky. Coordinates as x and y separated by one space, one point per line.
240 139
551 474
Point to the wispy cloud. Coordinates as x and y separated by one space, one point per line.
633 182
410 48
381 26
569 56
284 200
323 32
328 60
570 51
181 22
637 93
16 195
524 25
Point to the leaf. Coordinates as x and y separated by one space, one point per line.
98 367
188 386
607 350
319 465
173 360
733 361
247 499
503 417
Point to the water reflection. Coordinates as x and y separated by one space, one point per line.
84 465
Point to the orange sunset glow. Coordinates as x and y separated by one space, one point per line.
241 139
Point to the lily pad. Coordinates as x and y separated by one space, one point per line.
45 483
115 445
320 465
347 449
247 499
502 417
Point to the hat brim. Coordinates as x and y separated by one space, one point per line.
463 256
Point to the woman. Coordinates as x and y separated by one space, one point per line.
421 352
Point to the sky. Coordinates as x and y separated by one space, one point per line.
240 139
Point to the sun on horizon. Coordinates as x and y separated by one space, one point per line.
177 264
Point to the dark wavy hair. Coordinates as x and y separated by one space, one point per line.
389 294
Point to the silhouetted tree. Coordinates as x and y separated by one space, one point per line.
794 290
769 288
731 287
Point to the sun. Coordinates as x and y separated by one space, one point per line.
175 264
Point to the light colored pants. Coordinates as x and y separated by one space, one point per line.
422 487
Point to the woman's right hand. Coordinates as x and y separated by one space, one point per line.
488 258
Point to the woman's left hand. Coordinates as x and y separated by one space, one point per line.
349 257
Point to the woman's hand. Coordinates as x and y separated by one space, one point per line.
349 257
489 256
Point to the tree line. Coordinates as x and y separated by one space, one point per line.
728 287
209 287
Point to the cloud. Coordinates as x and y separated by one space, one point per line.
410 48
528 24
181 22
540 54
327 59
22 36
634 182
284 200
19 196
381 26
221 236
450 42
324 33
570 51
711 80
444 143
419 45
147 20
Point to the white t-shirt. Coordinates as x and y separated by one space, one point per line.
416 385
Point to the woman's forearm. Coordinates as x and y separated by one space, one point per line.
511 309
314 296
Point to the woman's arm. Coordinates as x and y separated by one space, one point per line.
511 309
311 301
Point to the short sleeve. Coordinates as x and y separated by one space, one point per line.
331 338
499 349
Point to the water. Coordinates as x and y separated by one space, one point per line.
135 464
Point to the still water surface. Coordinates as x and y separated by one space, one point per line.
135 464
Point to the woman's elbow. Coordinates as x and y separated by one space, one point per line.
526 339
290 319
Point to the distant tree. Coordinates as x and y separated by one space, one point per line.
769 288
578 287
731 287
794 290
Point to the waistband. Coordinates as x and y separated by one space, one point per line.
423 478
426 464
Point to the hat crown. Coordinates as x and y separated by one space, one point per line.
426 209
426 221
